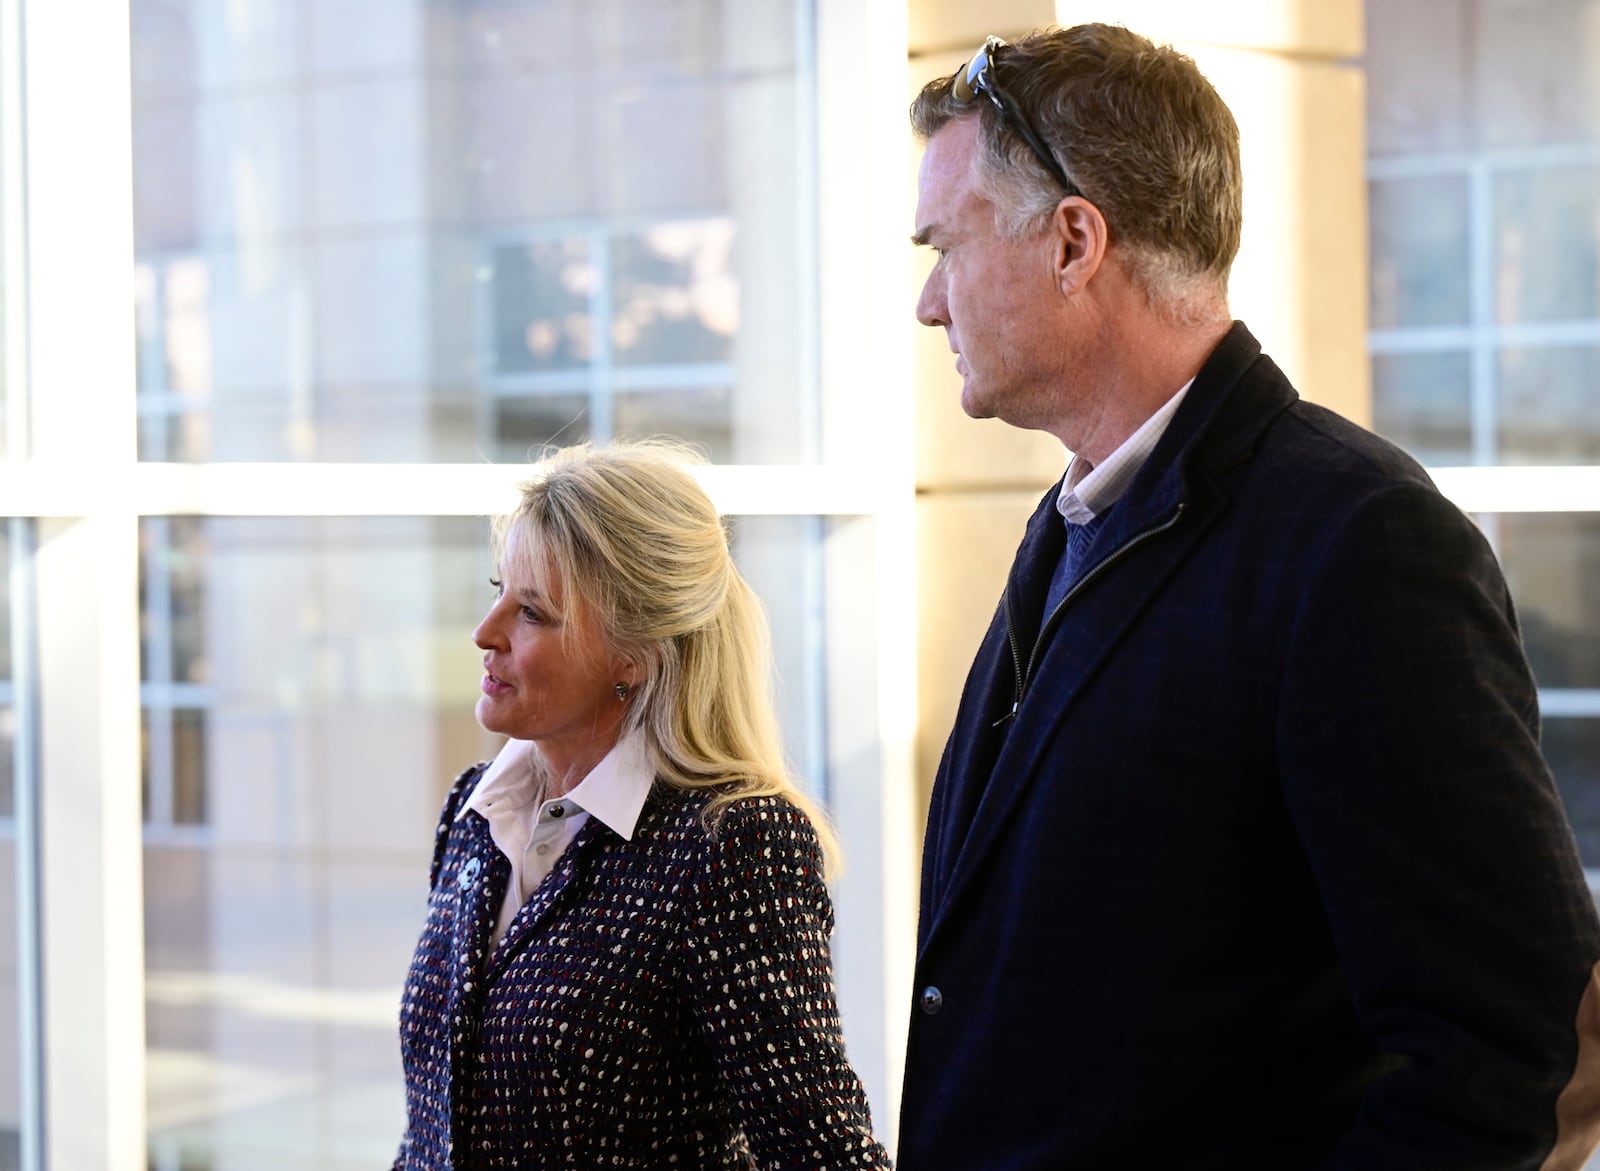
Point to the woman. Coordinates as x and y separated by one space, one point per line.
625 960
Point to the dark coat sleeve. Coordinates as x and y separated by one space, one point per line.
761 983
1412 772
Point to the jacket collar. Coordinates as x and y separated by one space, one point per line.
1219 423
1168 507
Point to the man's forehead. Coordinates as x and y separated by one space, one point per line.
946 178
950 149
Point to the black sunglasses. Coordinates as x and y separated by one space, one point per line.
977 77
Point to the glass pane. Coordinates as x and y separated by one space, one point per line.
1552 562
1572 746
285 876
354 242
1419 76
781 558
1423 402
1535 69
526 425
1547 237
172 596
698 416
291 811
1419 252
541 294
1548 405
677 298
1443 75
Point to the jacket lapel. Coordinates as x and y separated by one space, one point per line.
979 734
564 878
1166 511
1138 559
479 883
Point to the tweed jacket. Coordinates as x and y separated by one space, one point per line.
660 1001
1245 858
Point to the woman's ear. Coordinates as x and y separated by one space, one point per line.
625 671
628 667
1081 236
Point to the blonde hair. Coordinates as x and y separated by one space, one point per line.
630 535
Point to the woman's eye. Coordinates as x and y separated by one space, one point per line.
530 614
498 588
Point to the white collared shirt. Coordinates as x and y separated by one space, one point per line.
533 837
1088 490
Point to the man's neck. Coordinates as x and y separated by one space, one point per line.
1145 368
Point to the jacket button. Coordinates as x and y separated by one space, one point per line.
932 1000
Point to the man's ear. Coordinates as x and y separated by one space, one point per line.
1081 238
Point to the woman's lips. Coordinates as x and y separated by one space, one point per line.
493 685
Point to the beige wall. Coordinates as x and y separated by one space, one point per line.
1290 71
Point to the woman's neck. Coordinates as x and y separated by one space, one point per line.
562 771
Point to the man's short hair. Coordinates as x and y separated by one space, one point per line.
1140 132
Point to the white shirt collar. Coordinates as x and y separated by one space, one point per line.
614 791
1088 490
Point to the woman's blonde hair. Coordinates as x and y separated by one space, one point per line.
629 533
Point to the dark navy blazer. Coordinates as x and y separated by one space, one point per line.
1249 861
663 1001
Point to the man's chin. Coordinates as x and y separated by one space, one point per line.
975 405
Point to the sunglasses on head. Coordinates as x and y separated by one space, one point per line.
978 77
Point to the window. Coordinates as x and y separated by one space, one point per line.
1485 200
379 254
285 877
436 235
453 231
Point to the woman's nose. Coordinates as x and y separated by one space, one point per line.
486 634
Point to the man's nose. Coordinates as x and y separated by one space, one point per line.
931 306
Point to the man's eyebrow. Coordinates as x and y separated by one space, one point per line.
924 234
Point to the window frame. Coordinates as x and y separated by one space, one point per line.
69 257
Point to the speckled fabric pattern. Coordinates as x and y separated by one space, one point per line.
661 1002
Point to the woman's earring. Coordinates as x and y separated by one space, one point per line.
622 692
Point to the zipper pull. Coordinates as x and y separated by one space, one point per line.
1009 715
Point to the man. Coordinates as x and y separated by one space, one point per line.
1242 854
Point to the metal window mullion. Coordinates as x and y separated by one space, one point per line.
857 211
30 1022
25 813
77 159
